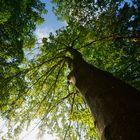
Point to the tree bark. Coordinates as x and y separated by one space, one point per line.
115 105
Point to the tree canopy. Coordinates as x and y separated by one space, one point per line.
114 24
18 20
38 89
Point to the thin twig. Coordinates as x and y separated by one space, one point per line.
71 111
14 102
48 111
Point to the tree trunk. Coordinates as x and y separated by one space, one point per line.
115 105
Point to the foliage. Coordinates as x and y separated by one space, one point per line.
114 30
106 36
18 20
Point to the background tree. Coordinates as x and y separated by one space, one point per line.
18 20
17 23
47 96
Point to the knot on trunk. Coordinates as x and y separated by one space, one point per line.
73 63
76 54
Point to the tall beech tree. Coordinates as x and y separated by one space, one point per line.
50 97
72 87
114 104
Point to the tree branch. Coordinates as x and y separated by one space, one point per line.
110 38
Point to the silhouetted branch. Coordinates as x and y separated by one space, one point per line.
14 102
111 38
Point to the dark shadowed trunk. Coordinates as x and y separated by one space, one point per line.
114 104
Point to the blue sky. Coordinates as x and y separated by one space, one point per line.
51 23
50 18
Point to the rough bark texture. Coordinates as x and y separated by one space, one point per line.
114 104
